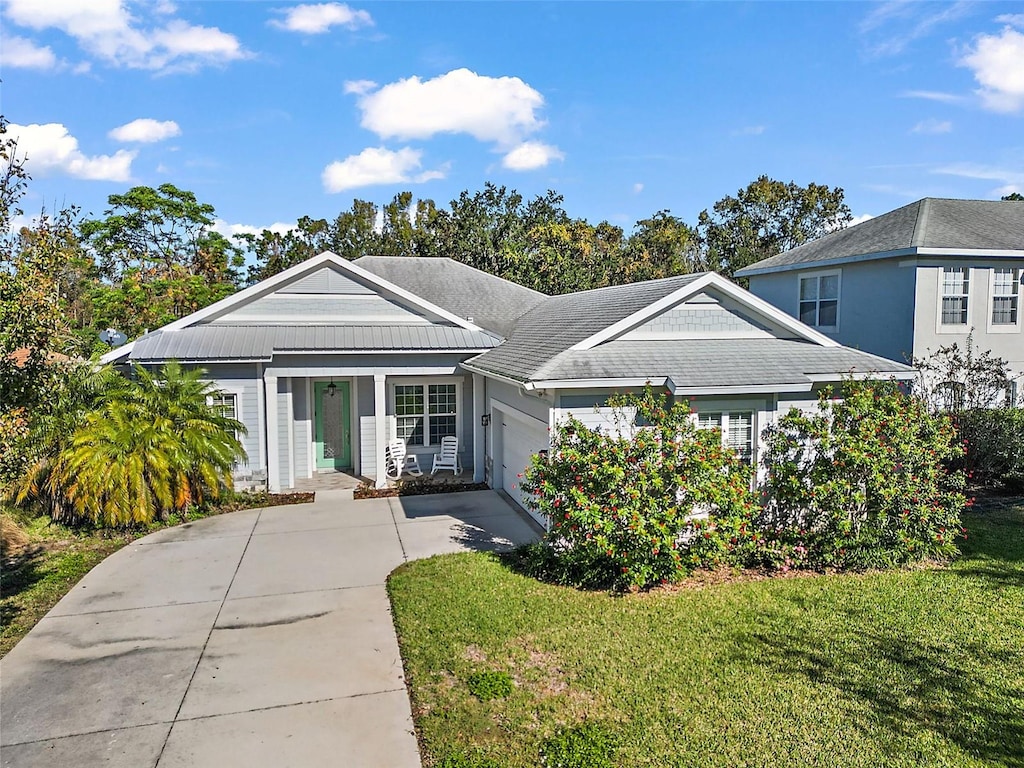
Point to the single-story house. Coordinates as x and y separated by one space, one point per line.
329 360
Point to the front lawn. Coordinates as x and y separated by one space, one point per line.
904 668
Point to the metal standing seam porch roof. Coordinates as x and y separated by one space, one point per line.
217 343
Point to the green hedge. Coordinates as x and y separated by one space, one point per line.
994 446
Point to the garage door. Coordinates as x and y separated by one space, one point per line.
519 442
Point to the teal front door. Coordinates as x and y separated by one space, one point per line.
332 438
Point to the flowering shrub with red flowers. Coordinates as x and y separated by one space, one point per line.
642 502
862 483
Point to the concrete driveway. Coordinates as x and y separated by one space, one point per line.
258 638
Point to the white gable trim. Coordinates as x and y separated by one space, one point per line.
709 280
295 272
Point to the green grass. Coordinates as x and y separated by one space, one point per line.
906 668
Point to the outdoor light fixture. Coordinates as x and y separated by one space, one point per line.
332 388
485 420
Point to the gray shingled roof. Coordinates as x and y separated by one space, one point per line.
928 223
259 342
560 322
699 363
493 303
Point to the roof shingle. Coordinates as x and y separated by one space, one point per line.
928 223
492 302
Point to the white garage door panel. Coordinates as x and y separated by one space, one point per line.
519 443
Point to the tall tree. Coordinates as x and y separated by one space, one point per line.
562 257
35 265
661 246
767 218
164 231
1016 197
159 257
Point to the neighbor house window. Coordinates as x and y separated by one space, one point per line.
1005 296
737 430
426 412
819 300
956 288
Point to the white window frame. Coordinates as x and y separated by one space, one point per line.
426 383
236 393
1005 327
817 275
726 417
763 415
941 327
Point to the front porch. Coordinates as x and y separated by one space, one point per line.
348 481
328 426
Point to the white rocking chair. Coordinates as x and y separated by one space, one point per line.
399 460
448 458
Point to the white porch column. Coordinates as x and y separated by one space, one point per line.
479 431
270 401
380 427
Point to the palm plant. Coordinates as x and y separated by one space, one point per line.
152 445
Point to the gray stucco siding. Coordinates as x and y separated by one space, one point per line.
1006 342
876 304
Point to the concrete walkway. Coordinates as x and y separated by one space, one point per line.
258 638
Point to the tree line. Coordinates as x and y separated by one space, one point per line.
154 255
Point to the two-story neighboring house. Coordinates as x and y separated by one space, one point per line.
910 281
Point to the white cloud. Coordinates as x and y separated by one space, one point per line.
24 54
50 148
531 155
502 110
896 24
315 19
145 130
108 31
997 62
230 230
359 86
1008 179
931 125
860 219
945 98
1013 19
750 130
377 165
638 188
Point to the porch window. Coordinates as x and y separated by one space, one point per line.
426 411
1005 298
956 288
737 430
224 404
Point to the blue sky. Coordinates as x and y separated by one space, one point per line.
271 111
